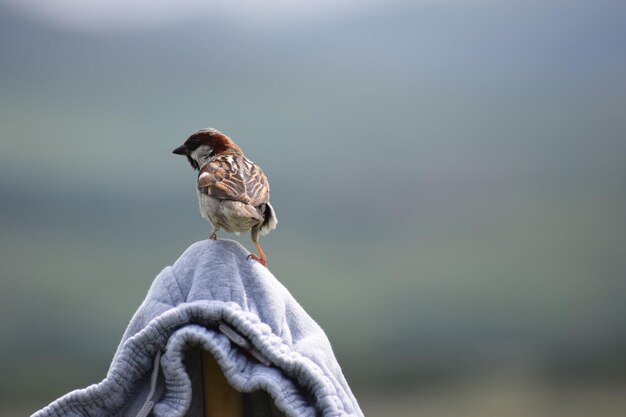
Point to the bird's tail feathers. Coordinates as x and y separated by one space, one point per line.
270 221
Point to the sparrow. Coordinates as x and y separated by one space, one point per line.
233 192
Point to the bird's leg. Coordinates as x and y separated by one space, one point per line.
213 235
261 258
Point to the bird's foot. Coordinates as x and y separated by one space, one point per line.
262 261
213 236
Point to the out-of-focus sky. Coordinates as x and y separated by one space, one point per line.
116 15
449 176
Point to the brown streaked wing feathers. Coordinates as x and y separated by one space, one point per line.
224 181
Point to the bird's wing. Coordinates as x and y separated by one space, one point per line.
229 177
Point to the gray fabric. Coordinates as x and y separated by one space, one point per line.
212 283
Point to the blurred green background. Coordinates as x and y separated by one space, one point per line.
454 170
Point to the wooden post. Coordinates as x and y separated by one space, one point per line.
220 399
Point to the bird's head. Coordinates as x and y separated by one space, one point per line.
204 144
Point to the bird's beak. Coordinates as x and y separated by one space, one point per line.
181 150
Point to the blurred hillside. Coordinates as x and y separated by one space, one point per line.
455 172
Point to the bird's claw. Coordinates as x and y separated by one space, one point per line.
213 236
262 261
